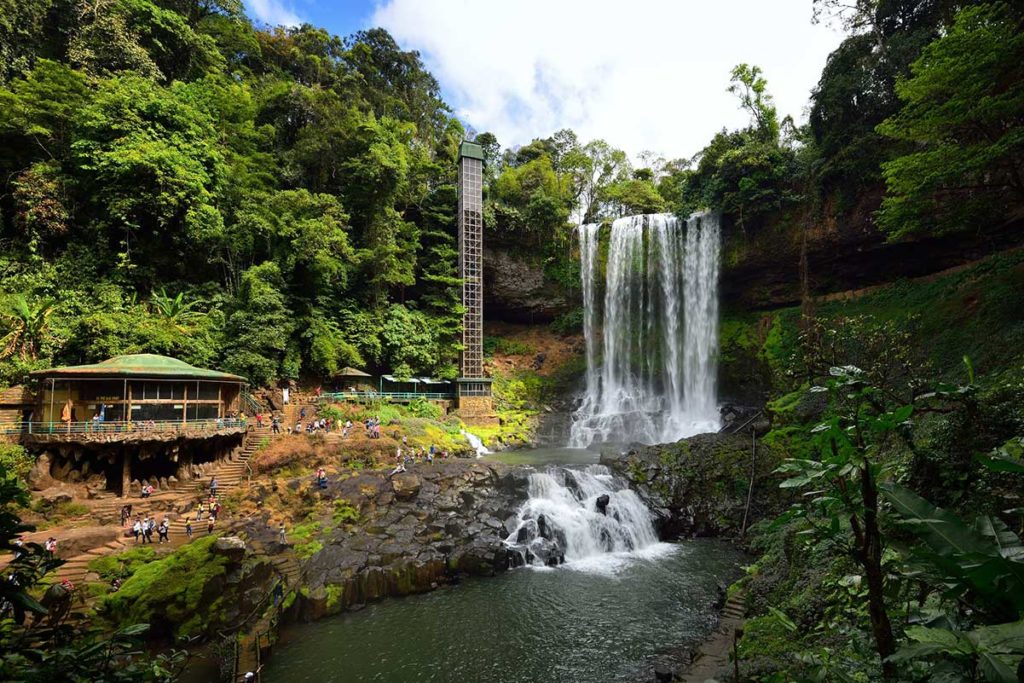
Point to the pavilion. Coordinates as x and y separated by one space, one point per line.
132 390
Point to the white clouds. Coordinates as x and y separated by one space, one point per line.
642 74
273 12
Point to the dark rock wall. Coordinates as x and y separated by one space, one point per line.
417 530
699 486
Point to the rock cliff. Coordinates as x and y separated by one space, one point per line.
409 533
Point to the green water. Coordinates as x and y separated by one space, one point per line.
600 620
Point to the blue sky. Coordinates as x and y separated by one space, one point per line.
645 75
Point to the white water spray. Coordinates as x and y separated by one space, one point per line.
579 514
476 443
651 351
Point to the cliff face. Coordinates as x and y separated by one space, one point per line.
761 267
411 532
516 288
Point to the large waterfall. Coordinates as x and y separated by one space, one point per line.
651 349
577 514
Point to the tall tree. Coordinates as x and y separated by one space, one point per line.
963 122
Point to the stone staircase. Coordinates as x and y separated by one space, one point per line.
260 635
231 475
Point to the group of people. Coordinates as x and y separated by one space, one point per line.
372 427
408 456
144 526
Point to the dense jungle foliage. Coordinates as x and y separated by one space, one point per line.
280 203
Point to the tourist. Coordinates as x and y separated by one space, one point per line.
298 427
399 468
213 487
145 490
430 456
137 529
126 514
321 478
302 413
259 420
162 531
51 545
275 425
188 528
147 531
210 522
199 511
281 535
215 509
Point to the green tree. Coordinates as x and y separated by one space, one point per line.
961 118
259 329
27 324
750 86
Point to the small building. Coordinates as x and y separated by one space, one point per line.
141 388
132 420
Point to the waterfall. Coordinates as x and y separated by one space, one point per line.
476 443
651 348
576 514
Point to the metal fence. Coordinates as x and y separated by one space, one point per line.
120 427
370 396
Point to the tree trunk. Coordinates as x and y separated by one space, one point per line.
871 560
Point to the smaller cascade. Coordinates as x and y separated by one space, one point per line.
476 443
576 514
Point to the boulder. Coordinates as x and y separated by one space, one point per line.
406 485
231 547
602 503
39 476
53 497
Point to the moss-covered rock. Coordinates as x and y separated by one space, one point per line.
194 591
699 486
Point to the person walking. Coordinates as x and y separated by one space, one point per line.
147 530
282 536
275 425
213 487
165 526
210 523
137 529
188 528
200 510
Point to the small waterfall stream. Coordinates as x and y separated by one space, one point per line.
651 347
578 514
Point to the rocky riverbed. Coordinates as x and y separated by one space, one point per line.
378 536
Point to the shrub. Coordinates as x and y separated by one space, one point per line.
16 460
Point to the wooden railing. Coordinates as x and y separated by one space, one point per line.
120 427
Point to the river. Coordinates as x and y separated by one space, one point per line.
601 618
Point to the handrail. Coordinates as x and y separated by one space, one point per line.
377 395
725 428
119 426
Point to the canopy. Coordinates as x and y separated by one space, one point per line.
408 380
352 372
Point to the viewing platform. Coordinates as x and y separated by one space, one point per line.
93 432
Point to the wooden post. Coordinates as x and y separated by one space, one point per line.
126 472
184 407
53 388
